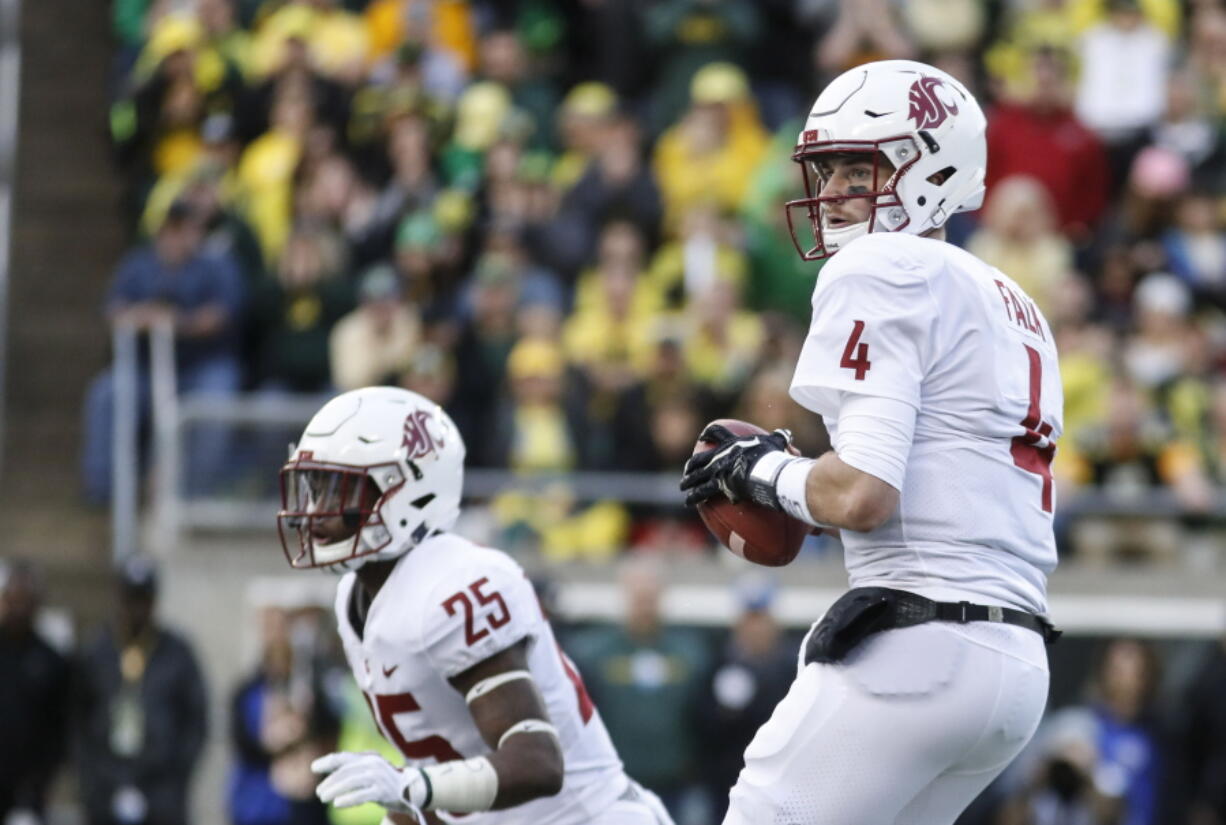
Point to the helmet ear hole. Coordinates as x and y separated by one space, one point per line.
938 178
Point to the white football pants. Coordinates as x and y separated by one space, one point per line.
907 730
643 808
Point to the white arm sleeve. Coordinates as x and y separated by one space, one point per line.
874 435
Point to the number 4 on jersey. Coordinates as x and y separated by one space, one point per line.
860 362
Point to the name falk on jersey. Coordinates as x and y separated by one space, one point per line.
1020 310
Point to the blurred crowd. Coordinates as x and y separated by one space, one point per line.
113 728
564 222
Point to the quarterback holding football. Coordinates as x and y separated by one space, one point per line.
937 379
445 638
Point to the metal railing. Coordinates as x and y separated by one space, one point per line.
125 441
174 510
125 434
10 89
219 512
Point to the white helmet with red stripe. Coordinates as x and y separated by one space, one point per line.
377 470
920 119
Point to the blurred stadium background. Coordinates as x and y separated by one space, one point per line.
562 219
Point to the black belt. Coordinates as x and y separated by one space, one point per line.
913 609
861 612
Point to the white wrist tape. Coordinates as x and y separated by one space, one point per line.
487 685
529 726
766 469
791 486
461 785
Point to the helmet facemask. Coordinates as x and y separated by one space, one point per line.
887 212
333 513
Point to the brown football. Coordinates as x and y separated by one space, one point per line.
753 532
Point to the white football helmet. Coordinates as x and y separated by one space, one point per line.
377 470
923 121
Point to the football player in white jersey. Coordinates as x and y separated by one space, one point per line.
445 638
937 379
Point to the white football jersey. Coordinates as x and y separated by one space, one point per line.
921 321
447 605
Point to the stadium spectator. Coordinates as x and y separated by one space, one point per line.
34 698
864 30
707 248
1129 743
171 281
266 170
140 712
443 34
1195 248
503 60
176 83
209 188
430 373
608 335
1038 135
646 676
536 430
223 34
615 185
583 118
428 281
943 27
1124 454
1018 236
779 280
483 344
1155 353
1202 740
722 340
1063 785
721 134
375 342
1206 36
280 720
750 676
332 41
412 185
1157 179
539 287
293 314
687 35
1187 124
1121 92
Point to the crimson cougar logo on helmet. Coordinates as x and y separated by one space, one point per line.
419 441
927 109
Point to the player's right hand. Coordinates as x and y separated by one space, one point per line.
357 778
728 466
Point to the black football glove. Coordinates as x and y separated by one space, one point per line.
727 468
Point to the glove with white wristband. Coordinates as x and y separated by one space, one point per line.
460 786
357 778
758 468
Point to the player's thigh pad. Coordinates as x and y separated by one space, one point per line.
857 741
642 808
